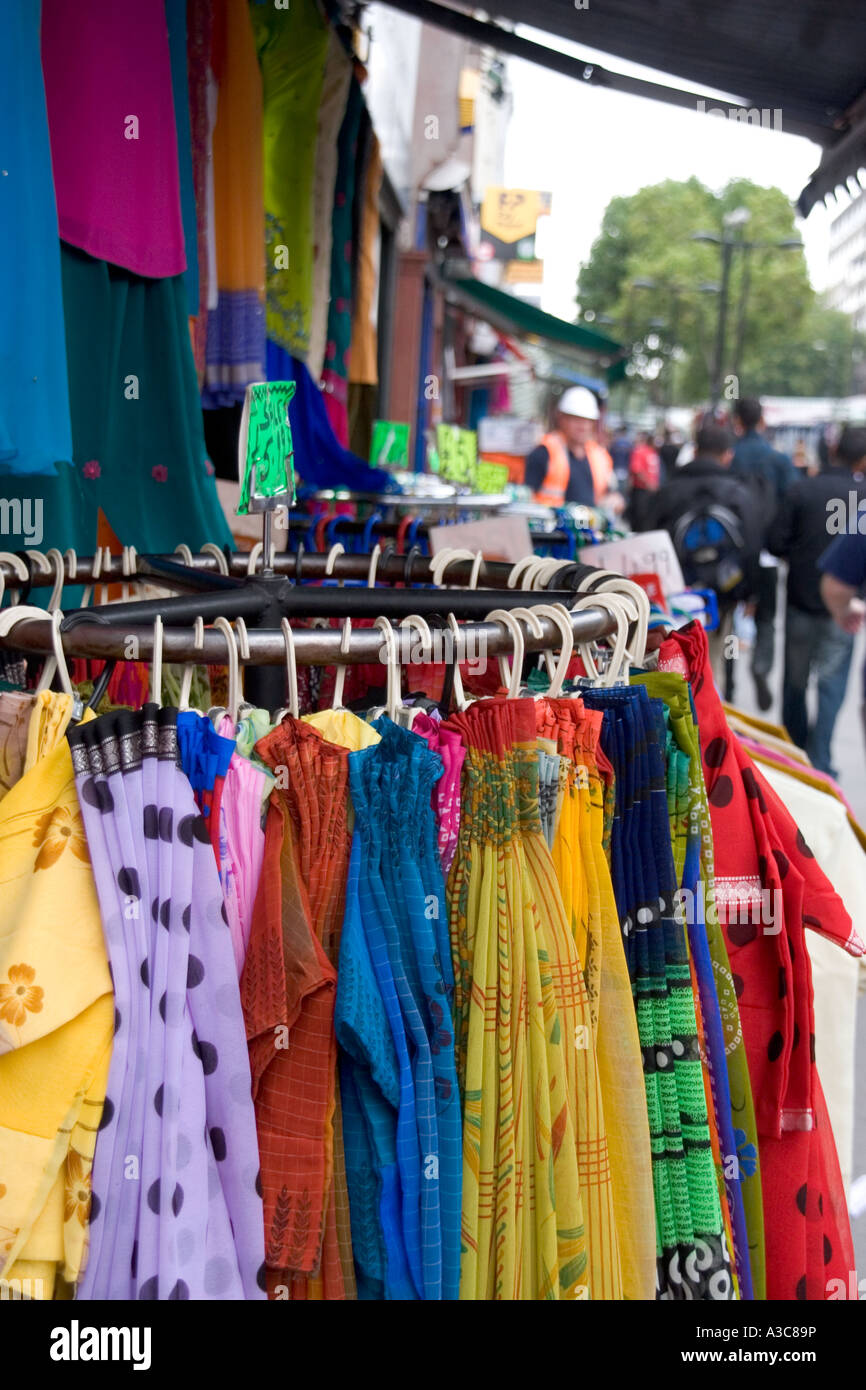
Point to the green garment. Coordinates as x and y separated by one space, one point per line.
674 691
138 442
292 45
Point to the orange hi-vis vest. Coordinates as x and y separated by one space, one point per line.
553 489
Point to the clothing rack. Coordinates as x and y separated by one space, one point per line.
263 600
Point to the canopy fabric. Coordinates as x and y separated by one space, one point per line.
805 61
510 314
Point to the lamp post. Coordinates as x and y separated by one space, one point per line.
677 294
733 222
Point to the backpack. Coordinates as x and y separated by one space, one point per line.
714 550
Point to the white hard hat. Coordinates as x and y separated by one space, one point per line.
578 400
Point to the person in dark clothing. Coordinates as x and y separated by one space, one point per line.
620 451
754 457
669 451
813 642
707 491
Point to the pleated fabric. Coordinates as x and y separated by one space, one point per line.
584 877
289 983
538 1219
56 1013
401 909
176 1210
692 1255
723 1049
768 890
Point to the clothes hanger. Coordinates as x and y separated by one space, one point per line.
340 670
392 688
533 623
409 713
338 549
253 557
216 712
518 568
20 569
211 548
461 700
615 605
441 561
242 642
189 667
129 565
293 706
371 572
57 661
513 677
156 664
556 670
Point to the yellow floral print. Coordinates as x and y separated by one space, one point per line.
20 995
54 831
77 1201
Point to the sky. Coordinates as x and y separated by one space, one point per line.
586 145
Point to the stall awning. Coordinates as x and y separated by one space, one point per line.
805 60
510 314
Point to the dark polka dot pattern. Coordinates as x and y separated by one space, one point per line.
194 972
803 847
715 752
722 793
151 822
741 933
107 1113
218 1143
149 1289
128 883
775 1047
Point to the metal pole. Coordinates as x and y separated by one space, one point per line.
718 364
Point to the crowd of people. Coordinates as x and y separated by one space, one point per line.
735 507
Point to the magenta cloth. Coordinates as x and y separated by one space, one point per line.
118 198
446 792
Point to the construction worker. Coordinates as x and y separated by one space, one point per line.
569 465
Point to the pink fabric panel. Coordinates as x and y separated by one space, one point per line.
117 198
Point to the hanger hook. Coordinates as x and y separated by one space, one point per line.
374 565
156 663
186 680
291 667
224 626
513 677
340 672
392 696
559 615
460 699
211 548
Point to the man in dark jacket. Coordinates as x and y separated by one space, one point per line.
697 490
756 459
813 511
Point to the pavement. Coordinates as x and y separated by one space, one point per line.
849 755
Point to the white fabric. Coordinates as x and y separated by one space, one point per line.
835 974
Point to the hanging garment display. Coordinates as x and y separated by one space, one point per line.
292 45
236 327
35 432
769 889
332 107
108 86
335 1077
56 1014
178 1103
336 367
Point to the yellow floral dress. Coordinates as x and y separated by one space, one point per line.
56 1015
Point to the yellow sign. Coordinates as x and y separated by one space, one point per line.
510 214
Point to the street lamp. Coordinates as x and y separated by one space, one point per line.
734 220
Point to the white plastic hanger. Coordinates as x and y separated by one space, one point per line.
211 548
156 663
129 565
392 691
340 669
617 667
408 713
216 712
529 616
513 677
189 667
293 707
461 700
20 569
557 670
253 557
338 549
373 566
440 562
518 569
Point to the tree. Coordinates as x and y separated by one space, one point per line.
649 283
820 360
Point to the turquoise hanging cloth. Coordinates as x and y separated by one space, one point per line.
34 401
